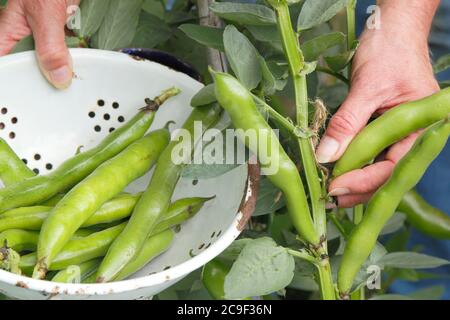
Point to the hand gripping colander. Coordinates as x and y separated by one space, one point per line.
46 126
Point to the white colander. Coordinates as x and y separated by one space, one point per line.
46 126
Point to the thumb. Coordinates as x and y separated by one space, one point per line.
351 117
47 23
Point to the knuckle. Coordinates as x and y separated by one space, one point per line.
343 123
52 57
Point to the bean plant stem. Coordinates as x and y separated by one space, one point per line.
351 29
296 63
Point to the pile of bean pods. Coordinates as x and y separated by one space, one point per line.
76 224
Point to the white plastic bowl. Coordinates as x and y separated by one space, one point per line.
53 124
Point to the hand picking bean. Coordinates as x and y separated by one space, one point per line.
239 104
19 240
381 207
87 197
392 126
96 245
38 189
12 169
424 217
155 201
153 247
77 273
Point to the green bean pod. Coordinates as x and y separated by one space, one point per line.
392 126
156 199
32 218
96 245
77 273
87 197
38 189
28 218
153 247
424 217
19 240
239 104
383 204
12 169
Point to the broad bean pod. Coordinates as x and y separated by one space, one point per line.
385 201
12 168
239 104
424 217
392 126
76 273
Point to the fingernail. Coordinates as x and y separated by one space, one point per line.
327 149
339 192
61 78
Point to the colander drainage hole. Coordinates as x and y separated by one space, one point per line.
49 166
115 105
35 170
2 126
97 128
121 119
111 129
4 110
106 116
101 103
25 161
194 182
37 157
12 135
91 114
14 120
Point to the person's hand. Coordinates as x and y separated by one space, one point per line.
45 19
392 66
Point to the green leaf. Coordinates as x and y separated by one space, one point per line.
234 250
313 48
243 13
27 44
411 260
442 64
119 25
207 36
264 33
151 31
177 17
242 56
261 268
92 15
317 12
340 61
154 7
3 3
270 198
394 224
205 96
430 293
